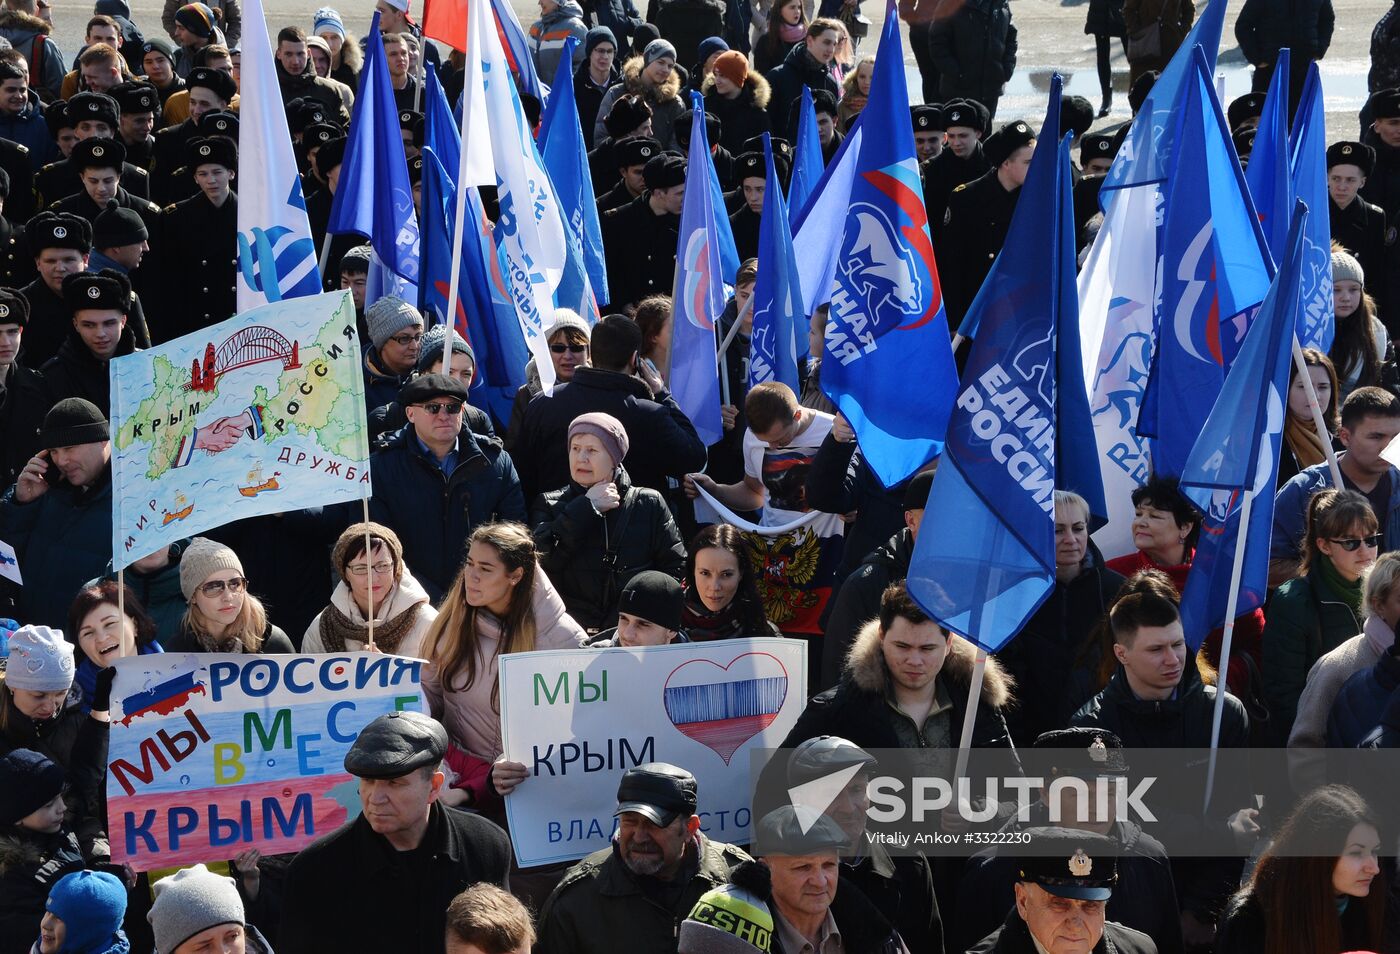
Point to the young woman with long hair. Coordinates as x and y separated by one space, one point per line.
501 602
1359 349
1318 610
787 27
1303 446
223 617
721 595
1318 888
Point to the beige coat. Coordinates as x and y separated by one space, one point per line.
406 595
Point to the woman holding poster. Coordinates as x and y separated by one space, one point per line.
223 617
501 602
378 581
106 634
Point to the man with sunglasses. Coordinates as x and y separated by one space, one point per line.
1370 421
435 481
396 337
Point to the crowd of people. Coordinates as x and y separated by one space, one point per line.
568 519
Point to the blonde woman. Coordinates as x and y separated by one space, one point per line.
223 617
501 602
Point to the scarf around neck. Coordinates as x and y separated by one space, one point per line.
1304 441
337 628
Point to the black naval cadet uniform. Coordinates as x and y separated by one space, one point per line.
14 159
1360 229
81 204
16 264
49 324
974 230
640 250
944 173
744 224
58 180
141 153
201 277
614 198
76 372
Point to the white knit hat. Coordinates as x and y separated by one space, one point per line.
41 660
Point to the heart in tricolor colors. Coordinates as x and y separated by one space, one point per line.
722 707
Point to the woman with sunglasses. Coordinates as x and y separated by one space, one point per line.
1320 609
377 582
568 351
223 617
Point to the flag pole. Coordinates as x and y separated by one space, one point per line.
325 255
369 571
1222 675
459 218
1316 408
121 600
723 372
738 321
974 696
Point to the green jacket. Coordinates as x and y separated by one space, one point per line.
1305 620
598 905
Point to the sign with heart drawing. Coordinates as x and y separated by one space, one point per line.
577 719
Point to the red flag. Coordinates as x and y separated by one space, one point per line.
446 21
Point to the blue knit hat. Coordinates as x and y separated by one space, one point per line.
91 905
327 20
710 46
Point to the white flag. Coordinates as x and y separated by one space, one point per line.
276 255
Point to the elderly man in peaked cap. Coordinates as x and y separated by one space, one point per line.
1063 884
408 853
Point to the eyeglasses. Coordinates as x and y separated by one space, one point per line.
1350 544
216 587
436 408
571 348
380 569
404 341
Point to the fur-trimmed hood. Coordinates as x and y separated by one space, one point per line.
654 95
17 852
865 665
19 20
755 87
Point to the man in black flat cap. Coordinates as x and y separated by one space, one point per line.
814 910
1063 884
960 161
101 305
59 245
140 114
751 175
639 239
92 116
23 400
642 886
405 857
1357 225
979 215
198 257
1145 896
632 155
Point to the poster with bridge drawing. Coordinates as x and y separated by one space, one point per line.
263 413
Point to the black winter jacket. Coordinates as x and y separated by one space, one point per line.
975 51
23 404
864 929
663 442
1361 702
1304 27
590 557
274 641
1242 930
76 372
619 16
685 23
1385 52
798 70
840 481
743 117
858 601
1047 651
434 514
30 864
1013 937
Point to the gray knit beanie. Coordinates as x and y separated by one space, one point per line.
191 900
1346 268
656 49
431 348
388 316
202 559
